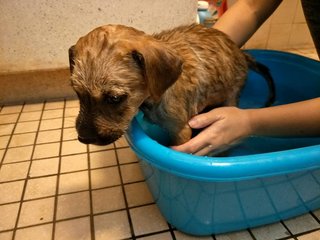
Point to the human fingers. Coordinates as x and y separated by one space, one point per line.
200 144
204 119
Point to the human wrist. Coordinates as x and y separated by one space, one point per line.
252 126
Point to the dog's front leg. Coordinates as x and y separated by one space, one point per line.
180 135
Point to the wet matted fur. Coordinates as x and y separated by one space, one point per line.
171 76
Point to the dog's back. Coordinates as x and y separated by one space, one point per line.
214 68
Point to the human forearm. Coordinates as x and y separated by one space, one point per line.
244 17
296 119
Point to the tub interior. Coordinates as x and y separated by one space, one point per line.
296 79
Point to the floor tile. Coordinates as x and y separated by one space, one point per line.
70 134
8 216
112 226
317 213
30 116
103 159
147 219
95 148
44 167
36 212
9 118
71 112
183 236
131 173
302 224
18 154
1 154
25 127
15 171
51 124
107 199
73 147
50 114
46 150
31 107
11 192
4 140
121 142
49 136
138 194
6 235
126 155
43 232
69 122
23 139
243 235
73 205
160 236
73 182
6 129
72 103
73 229
105 177
54 105
270 232
11 109
310 236
40 187
74 163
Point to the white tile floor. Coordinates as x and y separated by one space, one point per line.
53 187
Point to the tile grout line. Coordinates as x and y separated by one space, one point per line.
76 171
92 227
153 234
44 143
124 195
55 208
251 234
305 233
288 230
314 216
171 230
27 176
11 135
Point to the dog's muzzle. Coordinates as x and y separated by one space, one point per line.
98 140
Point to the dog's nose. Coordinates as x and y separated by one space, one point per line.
87 140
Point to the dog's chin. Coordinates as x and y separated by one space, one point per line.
99 140
102 141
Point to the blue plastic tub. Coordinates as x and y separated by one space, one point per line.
263 180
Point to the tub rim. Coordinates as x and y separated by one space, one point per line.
233 168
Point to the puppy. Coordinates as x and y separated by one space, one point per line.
171 76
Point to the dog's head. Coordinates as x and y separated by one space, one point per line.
113 70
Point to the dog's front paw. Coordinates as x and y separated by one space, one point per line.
182 136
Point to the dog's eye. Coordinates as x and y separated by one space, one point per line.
114 99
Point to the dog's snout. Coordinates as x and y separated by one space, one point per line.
87 133
87 140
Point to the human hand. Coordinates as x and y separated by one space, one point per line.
223 127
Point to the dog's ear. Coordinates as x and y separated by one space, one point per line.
160 65
71 58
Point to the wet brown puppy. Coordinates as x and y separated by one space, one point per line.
171 76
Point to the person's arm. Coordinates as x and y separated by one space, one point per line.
244 17
226 126
295 119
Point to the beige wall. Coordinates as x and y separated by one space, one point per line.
36 34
